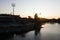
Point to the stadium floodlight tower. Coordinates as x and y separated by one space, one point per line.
13 5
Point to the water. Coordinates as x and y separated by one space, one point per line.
49 32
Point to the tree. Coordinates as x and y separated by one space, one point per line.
36 16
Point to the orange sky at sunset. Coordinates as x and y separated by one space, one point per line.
25 8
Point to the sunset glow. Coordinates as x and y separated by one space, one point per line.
25 8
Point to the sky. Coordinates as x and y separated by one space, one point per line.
25 8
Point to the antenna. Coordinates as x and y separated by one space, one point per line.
13 5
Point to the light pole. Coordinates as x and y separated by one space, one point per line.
13 5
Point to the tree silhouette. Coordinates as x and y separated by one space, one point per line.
36 16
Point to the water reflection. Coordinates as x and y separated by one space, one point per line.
28 36
49 32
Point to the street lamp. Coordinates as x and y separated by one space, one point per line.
13 5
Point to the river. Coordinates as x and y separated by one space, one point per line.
49 32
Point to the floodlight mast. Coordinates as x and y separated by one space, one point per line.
13 5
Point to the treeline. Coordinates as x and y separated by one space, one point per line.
53 20
9 18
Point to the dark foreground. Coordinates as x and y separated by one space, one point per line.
49 32
16 28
